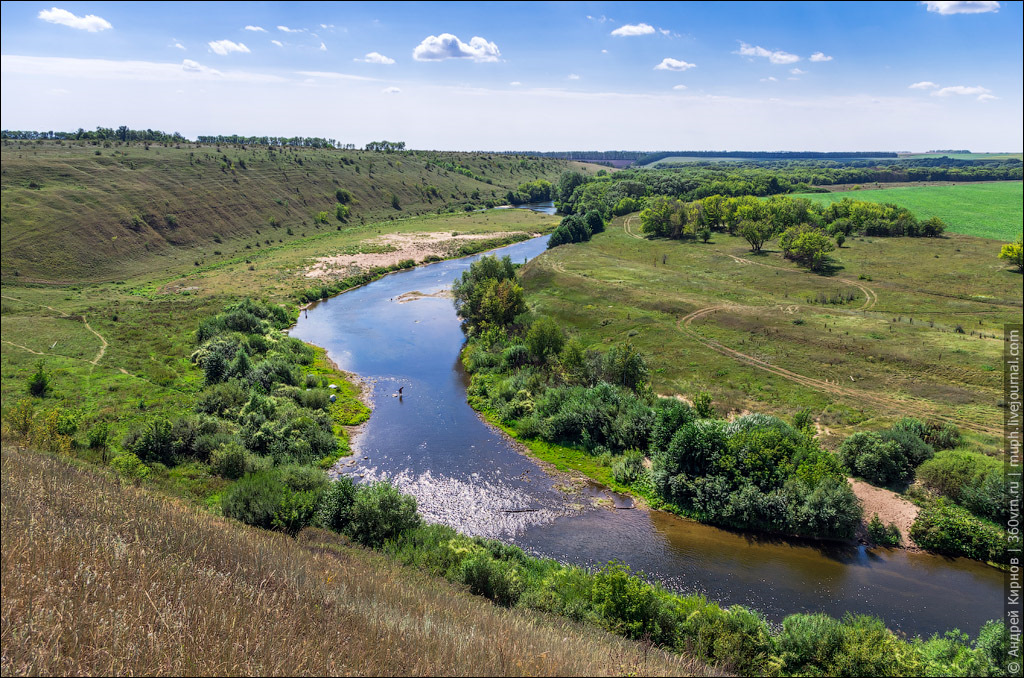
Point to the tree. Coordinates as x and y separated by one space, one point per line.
807 245
756 233
1013 252
567 183
544 338
502 301
39 383
624 365
933 227
662 218
487 292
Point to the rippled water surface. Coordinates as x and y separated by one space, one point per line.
402 332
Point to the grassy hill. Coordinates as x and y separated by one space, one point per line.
84 211
102 578
987 210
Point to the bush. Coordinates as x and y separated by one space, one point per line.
231 461
39 382
883 535
255 499
703 406
952 530
626 604
301 478
498 580
544 339
152 442
334 510
804 421
130 467
20 417
97 436
222 399
629 468
970 479
379 513
884 458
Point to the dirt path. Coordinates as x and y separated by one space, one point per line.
103 342
890 507
870 296
627 223
884 403
64 314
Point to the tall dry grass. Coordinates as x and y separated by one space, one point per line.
101 578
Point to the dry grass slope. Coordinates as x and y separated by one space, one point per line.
100 578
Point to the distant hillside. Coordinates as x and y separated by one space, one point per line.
106 211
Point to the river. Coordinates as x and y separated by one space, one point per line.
402 332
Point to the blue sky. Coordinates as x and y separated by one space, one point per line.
540 76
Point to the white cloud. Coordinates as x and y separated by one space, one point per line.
89 22
376 58
961 7
679 88
515 83
633 29
797 71
225 47
331 75
776 57
323 47
820 56
464 118
670 64
190 66
604 51
924 84
448 46
178 45
257 29
327 27
277 42
770 78
573 76
285 29
983 93
391 90
599 19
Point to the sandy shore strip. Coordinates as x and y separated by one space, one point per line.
395 247
890 507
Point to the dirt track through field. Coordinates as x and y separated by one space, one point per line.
63 314
870 296
884 403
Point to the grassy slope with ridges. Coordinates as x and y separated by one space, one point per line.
70 215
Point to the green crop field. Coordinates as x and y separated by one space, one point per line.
986 210
966 156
